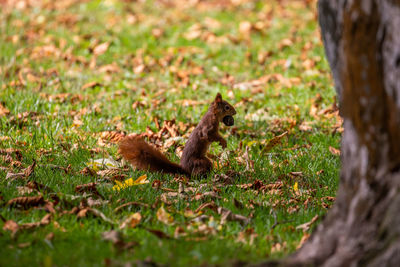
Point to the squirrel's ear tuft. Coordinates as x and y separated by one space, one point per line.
218 98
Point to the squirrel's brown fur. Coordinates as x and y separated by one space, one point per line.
194 161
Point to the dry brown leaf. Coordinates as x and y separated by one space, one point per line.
131 221
307 225
273 142
84 212
334 151
164 217
247 236
87 171
15 176
159 234
11 226
100 49
110 68
210 194
96 202
29 171
116 239
189 102
277 247
112 236
88 188
24 190
179 232
90 85
39 187
305 126
303 239
3 110
245 27
227 215
110 137
44 221
26 202
24 245
157 32
210 205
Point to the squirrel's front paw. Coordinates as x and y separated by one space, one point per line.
222 142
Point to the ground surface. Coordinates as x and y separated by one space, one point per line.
78 75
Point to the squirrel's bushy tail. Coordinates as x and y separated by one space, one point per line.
145 157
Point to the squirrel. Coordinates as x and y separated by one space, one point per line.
194 161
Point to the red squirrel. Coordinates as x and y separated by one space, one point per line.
194 161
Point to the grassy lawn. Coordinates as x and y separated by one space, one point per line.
75 76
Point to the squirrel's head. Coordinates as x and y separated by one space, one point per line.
223 110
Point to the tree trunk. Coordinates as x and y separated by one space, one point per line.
362 43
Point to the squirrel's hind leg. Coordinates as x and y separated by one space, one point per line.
201 167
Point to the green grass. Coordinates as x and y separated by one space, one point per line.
54 44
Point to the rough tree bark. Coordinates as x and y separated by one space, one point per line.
362 44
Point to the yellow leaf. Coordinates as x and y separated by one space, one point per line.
129 182
164 217
273 142
251 143
296 187
141 180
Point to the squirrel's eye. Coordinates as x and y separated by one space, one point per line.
227 107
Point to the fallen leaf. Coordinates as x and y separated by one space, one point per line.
227 215
277 247
164 217
3 110
44 221
83 213
247 236
108 163
90 85
210 205
108 137
334 151
116 239
179 232
29 171
159 234
307 225
24 245
131 221
303 239
113 236
24 190
96 202
296 187
211 194
15 176
245 27
88 188
26 173
274 142
11 226
26 202
130 182
100 49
